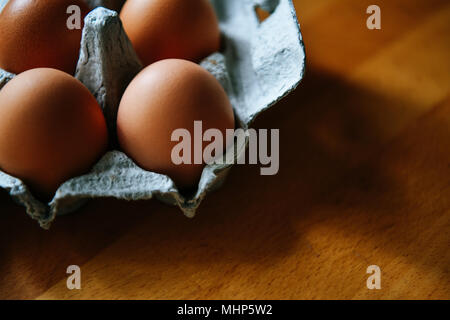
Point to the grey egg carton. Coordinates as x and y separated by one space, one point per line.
260 64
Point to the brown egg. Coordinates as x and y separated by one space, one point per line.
162 29
34 33
169 95
51 129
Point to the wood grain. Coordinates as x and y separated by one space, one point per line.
364 179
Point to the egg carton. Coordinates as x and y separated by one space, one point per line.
262 61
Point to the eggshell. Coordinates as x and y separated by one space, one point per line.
162 29
34 33
51 129
168 95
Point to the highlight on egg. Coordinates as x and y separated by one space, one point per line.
34 34
166 96
163 29
51 129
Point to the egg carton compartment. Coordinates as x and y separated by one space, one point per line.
260 64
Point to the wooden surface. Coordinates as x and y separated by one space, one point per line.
364 180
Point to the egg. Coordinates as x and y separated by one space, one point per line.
34 33
51 129
162 29
169 95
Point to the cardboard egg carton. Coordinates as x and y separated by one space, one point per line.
260 64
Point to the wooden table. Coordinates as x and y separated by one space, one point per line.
364 180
